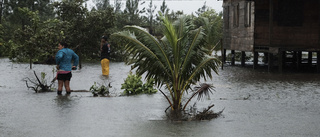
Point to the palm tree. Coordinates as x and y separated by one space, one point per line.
212 24
177 60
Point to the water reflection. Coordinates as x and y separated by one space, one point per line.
63 101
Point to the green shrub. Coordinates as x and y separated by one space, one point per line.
133 85
148 87
101 90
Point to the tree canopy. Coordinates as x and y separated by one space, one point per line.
30 30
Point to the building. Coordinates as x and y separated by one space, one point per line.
273 27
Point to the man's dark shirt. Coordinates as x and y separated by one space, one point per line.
105 53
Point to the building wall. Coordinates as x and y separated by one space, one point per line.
238 25
295 24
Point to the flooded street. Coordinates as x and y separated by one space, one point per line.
256 104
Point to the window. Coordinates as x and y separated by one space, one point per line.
226 17
236 16
247 14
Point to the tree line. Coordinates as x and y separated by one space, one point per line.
30 30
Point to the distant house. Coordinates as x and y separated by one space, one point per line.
273 27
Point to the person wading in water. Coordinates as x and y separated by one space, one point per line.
105 55
64 58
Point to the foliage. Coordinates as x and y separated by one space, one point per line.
212 24
38 41
44 41
164 8
101 90
39 85
72 12
202 9
91 34
51 33
28 38
148 87
42 37
133 85
13 18
33 26
117 6
150 13
10 48
118 49
177 60
132 11
102 4
12 13
2 48
86 28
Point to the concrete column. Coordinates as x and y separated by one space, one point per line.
224 55
266 57
270 62
318 61
294 58
318 52
310 58
243 58
233 57
280 60
255 60
299 59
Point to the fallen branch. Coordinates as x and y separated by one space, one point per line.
207 114
43 86
80 91
206 110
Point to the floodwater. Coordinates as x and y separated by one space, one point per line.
256 104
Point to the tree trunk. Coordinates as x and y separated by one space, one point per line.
1 8
80 58
175 104
176 101
30 61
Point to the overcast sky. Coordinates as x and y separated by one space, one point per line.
187 6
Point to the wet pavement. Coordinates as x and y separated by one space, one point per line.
256 104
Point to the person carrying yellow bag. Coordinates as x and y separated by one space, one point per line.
105 55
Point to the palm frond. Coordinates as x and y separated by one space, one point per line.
136 48
203 90
152 43
203 69
191 50
169 32
183 25
144 58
